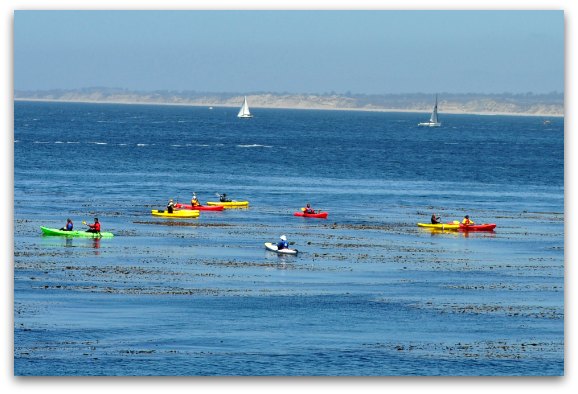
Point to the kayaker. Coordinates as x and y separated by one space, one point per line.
435 219
467 220
308 209
69 225
223 198
283 244
170 206
195 201
94 228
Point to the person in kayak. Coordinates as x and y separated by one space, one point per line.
69 225
195 201
435 219
223 198
94 228
467 220
170 206
308 209
283 244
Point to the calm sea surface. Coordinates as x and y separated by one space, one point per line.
369 293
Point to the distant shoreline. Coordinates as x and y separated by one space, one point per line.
319 108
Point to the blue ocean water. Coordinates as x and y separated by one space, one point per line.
369 293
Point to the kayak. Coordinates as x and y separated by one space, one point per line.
478 227
54 231
199 207
230 204
321 215
440 226
182 214
273 248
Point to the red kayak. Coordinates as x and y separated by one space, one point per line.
199 207
322 215
477 227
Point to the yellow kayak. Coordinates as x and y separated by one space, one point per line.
180 214
440 226
230 204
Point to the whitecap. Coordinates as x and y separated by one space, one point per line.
254 146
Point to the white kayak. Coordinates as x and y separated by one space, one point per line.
273 248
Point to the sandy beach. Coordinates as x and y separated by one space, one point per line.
325 108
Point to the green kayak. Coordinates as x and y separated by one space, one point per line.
54 231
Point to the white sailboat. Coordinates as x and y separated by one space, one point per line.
244 111
433 120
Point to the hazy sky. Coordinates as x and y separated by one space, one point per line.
292 51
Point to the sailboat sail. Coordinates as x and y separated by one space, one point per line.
434 114
244 111
433 120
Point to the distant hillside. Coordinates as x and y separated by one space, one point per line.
528 104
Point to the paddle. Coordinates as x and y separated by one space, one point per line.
315 211
289 243
86 224
228 200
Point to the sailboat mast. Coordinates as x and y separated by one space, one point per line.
434 115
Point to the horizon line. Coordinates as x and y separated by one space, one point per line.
255 92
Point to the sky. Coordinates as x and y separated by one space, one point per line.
366 52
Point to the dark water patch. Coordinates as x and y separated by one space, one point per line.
529 311
482 350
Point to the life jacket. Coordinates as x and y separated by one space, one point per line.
69 226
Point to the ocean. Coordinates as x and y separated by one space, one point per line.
369 294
